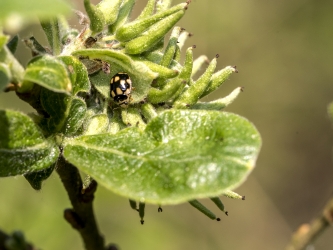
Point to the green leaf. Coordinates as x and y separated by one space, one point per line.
148 10
77 74
139 72
3 40
153 35
96 124
12 44
23 148
16 13
181 155
66 113
110 10
36 178
52 32
16 69
123 14
36 48
135 28
97 20
49 72
5 75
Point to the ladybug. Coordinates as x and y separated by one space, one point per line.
121 88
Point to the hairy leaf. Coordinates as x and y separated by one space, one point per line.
35 179
66 112
48 72
180 156
23 148
140 73
77 73
5 75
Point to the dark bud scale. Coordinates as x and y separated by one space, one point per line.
121 88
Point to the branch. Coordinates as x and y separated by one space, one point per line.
307 233
81 216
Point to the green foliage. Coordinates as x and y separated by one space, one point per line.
36 178
181 155
66 113
47 72
5 75
166 147
142 74
77 73
12 44
96 16
23 148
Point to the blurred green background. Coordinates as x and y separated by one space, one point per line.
284 53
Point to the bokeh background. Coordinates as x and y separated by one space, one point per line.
284 53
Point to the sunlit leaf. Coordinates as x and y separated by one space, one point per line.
48 72
141 75
180 156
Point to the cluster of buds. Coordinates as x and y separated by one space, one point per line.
136 48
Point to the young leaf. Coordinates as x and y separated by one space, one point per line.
153 35
23 148
148 10
198 205
219 104
35 179
77 74
11 63
123 14
66 113
136 28
52 32
97 20
48 72
5 75
218 79
36 48
192 94
181 155
140 73
96 124
3 40
12 44
110 10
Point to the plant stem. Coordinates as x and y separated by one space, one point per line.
81 217
307 233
